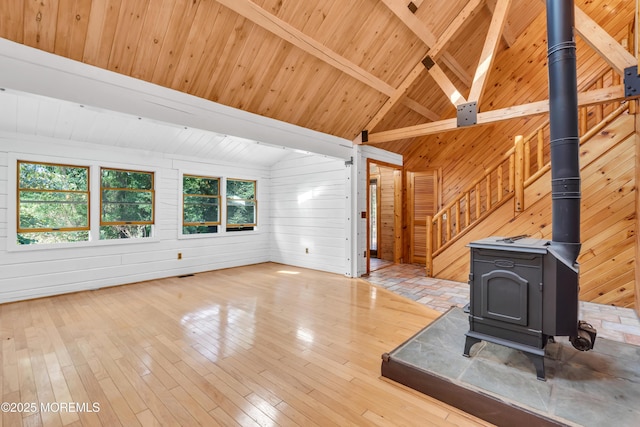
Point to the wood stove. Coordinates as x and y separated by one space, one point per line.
506 292
525 291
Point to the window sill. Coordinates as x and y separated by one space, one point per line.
218 235
14 247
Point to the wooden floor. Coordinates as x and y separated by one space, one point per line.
260 345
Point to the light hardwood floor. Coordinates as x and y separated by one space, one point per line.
260 345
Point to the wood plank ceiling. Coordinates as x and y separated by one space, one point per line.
335 66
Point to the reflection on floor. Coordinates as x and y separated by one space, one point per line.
409 280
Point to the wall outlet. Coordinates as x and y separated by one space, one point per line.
306 250
179 255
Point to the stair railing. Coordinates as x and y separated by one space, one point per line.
520 166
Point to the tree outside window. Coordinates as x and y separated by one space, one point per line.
200 204
53 203
241 204
126 204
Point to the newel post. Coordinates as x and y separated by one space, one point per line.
519 174
429 255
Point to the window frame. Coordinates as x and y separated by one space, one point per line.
19 189
95 167
94 219
184 196
244 226
151 223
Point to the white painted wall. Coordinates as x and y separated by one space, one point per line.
309 211
305 201
27 272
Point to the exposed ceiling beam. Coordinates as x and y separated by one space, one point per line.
399 8
607 47
446 85
271 23
457 69
446 58
598 96
419 108
398 96
507 34
489 50
468 12
436 48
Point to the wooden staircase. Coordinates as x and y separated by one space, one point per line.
520 180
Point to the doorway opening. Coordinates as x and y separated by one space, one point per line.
374 221
384 215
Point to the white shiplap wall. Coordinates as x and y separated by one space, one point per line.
308 211
310 202
4 172
33 273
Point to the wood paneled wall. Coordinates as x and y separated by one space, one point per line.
464 155
608 221
637 176
519 76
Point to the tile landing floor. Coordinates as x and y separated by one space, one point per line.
409 280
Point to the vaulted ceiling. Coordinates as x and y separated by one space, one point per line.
334 66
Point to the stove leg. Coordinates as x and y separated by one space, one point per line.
468 343
538 362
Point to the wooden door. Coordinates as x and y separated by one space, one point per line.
386 247
422 200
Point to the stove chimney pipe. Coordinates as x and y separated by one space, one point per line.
522 304
565 141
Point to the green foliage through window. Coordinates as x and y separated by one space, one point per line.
200 204
241 204
126 204
53 203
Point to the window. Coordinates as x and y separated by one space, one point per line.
241 204
200 204
126 204
52 203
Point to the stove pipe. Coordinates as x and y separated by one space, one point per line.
565 141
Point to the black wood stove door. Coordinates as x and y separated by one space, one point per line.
506 289
505 296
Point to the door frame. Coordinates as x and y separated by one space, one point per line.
397 211
378 227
